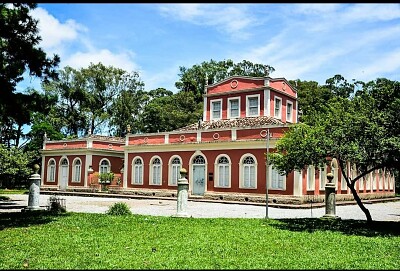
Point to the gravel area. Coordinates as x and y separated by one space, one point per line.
388 211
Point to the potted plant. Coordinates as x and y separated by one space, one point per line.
106 178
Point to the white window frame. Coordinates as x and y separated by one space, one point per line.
217 171
248 97
243 168
368 181
212 102
310 178
289 112
51 170
230 108
76 171
174 170
322 177
155 169
343 184
380 180
277 181
279 115
137 168
107 167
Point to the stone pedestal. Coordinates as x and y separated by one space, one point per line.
182 198
330 198
34 192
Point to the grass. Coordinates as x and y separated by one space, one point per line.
13 191
40 240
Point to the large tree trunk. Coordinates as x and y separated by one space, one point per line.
360 204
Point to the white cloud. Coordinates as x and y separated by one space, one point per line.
123 60
54 34
371 13
226 18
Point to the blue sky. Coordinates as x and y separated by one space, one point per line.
301 41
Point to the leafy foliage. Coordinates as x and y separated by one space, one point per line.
15 166
119 208
20 55
360 129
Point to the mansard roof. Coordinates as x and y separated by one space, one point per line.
233 123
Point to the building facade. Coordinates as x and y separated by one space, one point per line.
224 153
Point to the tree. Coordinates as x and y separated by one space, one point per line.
362 130
15 166
19 55
128 106
170 112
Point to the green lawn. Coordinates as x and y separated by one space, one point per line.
39 240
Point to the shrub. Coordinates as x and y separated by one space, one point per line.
56 205
119 208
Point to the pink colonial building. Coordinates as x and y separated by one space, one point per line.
224 154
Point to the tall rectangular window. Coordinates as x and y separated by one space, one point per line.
277 179
216 109
253 106
278 108
289 109
233 110
310 178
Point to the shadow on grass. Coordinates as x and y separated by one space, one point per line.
28 218
348 226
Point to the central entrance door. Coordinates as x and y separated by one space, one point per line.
199 175
64 175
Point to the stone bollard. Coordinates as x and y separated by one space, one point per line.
34 192
182 198
330 198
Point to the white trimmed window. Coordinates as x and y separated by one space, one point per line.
322 177
137 171
278 108
248 172
222 172
253 105
51 171
233 108
278 181
310 178
387 176
216 109
155 171
104 166
174 171
374 180
368 181
289 111
77 171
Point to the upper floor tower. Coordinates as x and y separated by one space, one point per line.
244 96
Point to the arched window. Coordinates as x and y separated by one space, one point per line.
199 160
77 170
51 171
104 166
155 171
137 171
175 168
222 172
248 174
